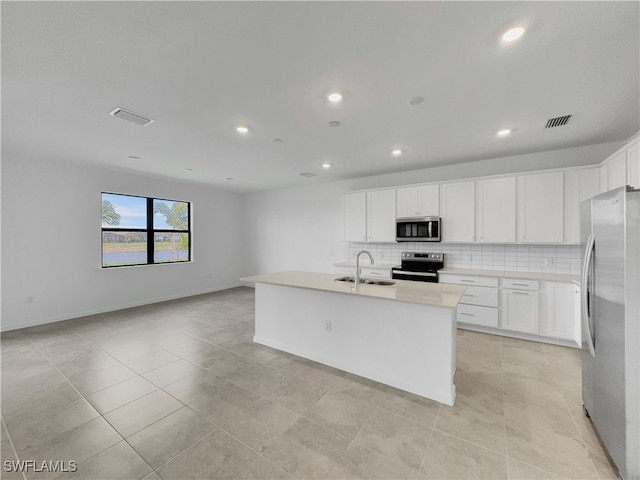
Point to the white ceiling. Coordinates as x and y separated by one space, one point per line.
199 68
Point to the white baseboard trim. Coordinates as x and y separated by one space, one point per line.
113 308
447 398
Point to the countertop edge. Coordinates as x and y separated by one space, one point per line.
364 291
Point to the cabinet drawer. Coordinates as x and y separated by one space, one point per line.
476 315
375 272
345 270
520 284
468 280
486 296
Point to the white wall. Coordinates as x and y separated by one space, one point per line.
51 250
300 228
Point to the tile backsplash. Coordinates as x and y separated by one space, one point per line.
563 259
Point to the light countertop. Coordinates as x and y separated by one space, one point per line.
548 277
422 293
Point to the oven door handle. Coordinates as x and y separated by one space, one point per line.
419 274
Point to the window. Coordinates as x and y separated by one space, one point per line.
144 231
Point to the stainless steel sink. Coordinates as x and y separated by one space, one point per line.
365 281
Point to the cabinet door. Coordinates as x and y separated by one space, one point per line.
560 321
457 209
418 201
617 167
496 220
633 166
520 311
604 178
407 199
429 201
579 185
540 208
381 216
354 215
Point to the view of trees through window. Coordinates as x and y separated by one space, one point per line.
141 231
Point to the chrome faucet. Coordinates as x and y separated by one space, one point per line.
357 279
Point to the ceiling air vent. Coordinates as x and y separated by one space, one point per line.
307 174
557 122
120 112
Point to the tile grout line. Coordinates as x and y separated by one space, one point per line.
504 411
359 430
13 448
424 455
99 414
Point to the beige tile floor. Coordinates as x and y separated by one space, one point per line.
179 391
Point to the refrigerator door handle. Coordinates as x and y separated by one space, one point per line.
586 314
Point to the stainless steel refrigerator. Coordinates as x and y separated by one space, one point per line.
610 237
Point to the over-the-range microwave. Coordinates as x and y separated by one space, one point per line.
418 229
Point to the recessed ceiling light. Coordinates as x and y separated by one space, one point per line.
242 129
133 157
334 97
504 132
326 165
513 34
334 123
416 101
396 152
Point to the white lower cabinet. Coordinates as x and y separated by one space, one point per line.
520 310
365 271
477 315
523 308
562 319
479 303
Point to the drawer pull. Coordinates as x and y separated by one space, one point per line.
521 284
467 314
467 295
468 281
520 293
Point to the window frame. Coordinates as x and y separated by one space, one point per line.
149 230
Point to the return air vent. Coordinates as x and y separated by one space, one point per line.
557 122
120 112
307 174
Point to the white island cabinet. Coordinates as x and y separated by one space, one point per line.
402 335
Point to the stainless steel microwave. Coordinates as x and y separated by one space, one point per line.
418 229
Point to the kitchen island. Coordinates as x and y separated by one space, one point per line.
402 335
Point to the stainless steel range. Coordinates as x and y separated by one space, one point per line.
420 267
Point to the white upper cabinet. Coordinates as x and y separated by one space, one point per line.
621 168
540 208
421 201
633 166
369 216
354 215
457 209
617 169
381 216
496 210
579 185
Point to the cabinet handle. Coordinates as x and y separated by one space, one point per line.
521 284
467 281
467 314
467 295
520 293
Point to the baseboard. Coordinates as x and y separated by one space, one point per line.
114 308
447 398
